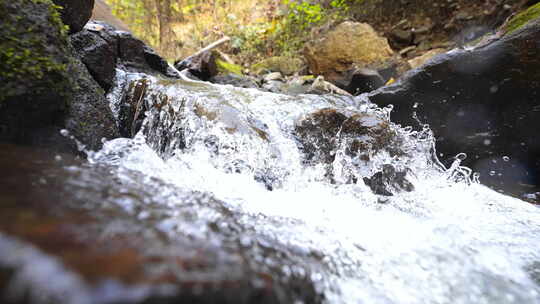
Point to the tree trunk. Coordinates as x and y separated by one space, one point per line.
166 37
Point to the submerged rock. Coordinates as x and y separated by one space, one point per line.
484 102
388 181
75 13
235 80
327 133
84 235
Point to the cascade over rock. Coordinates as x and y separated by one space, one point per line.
484 102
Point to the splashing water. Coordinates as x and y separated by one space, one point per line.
450 240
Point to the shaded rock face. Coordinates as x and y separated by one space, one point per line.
103 49
44 88
100 239
484 102
349 44
75 13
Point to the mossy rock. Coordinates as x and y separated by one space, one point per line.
283 64
43 86
33 50
523 18
228 68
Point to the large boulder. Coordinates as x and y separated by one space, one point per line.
484 102
44 88
75 13
348 45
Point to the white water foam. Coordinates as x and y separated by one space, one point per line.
451 240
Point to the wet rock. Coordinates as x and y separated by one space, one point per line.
43 85
103 49
323 132
99 54
203 66
274 86
318 134
104 239
349 44
136 56
357 81
483 102
75 13
89 118
389 181
235 80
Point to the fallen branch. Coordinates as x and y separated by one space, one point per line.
205 49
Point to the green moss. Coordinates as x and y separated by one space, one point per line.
33 40
523 18
225 67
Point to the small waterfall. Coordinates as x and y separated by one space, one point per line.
431 235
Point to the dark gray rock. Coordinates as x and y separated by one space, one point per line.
75 13
359 81
203 66
484 102
89 118
98 54
103 49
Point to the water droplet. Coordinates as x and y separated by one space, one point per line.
506 158
461 156
64 132
492 173
487 142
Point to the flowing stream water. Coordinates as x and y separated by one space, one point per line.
450 240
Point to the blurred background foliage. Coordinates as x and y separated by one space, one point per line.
258 28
